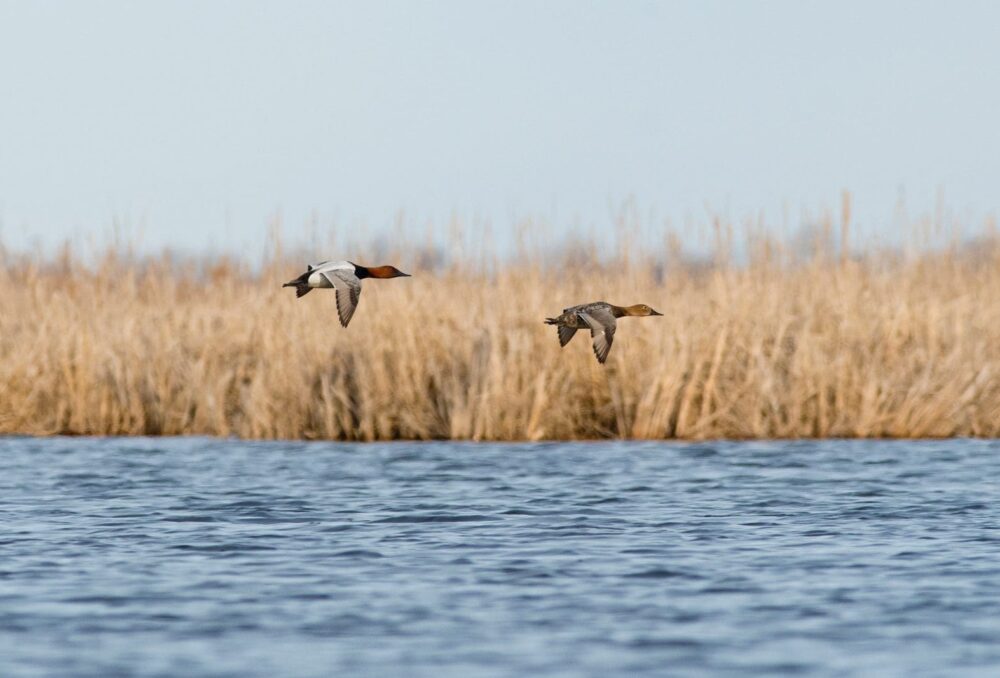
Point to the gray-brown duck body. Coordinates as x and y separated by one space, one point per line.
601 318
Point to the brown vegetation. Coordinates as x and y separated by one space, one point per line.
775 346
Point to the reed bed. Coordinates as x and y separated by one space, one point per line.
871 345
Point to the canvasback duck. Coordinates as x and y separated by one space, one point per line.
601 318
345 278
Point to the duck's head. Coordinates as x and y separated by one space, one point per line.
640 310
379 272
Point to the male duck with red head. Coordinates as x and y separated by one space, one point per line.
345 278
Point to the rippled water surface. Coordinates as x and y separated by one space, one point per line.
192 557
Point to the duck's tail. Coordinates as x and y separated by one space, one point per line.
301 287
552 321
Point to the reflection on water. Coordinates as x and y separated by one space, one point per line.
201 557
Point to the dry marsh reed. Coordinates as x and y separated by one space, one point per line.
874 345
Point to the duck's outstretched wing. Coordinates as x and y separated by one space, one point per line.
565 334
602 329
348 290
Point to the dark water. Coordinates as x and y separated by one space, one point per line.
191 557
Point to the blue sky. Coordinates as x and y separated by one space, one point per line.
196 122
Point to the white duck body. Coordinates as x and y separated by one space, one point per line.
316 271
344 277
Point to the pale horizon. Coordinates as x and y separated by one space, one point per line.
195 126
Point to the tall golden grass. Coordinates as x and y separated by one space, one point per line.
773 346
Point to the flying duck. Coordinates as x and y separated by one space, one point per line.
600 318
345 278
